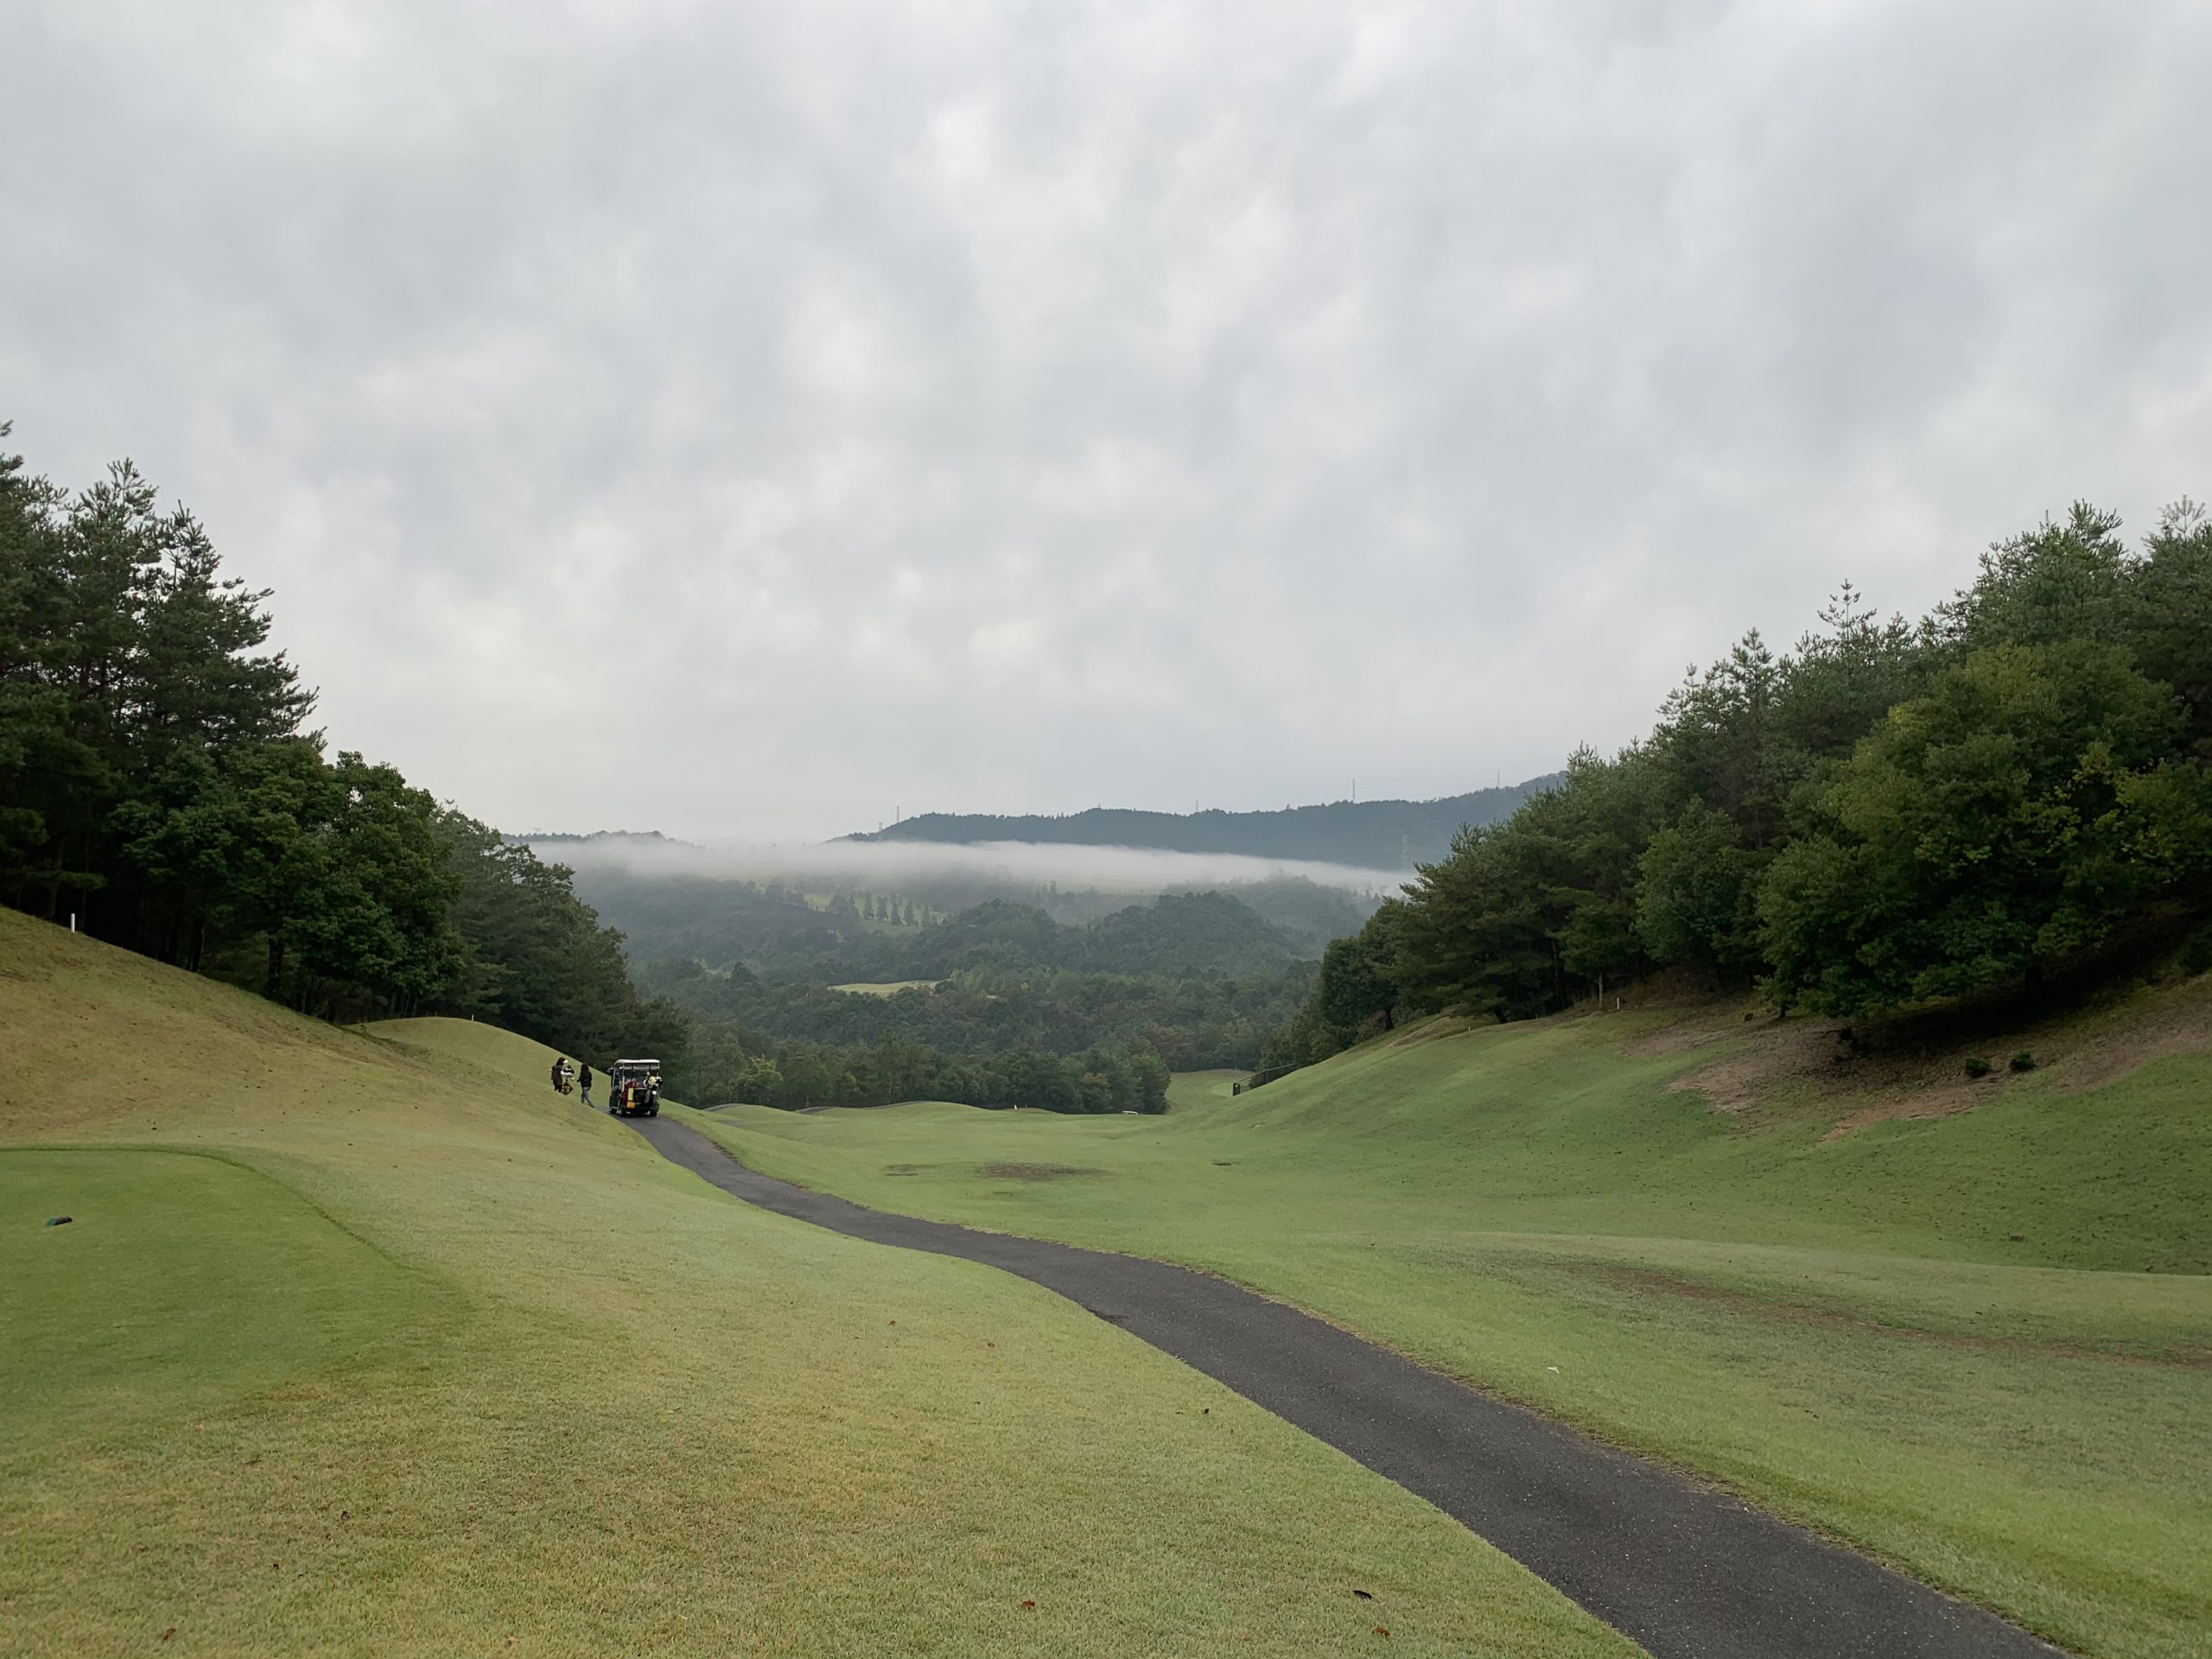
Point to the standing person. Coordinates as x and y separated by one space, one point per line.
557 1064
583 1080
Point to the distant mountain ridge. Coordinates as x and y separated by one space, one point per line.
1373 835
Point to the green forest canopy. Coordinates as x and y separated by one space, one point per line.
1891 813
159 784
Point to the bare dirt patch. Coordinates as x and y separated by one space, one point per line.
1772 1053
1037 1172
1699 1031
1815 1058
1948 1101
2181 1023
1918 1066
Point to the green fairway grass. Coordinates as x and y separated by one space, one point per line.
367 1341
1978 1345
887 988
1188 1088
126 1315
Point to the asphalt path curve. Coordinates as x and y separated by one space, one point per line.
1687 1571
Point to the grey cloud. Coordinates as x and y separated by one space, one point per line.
819 409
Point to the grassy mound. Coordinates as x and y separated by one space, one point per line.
1973 1336
131 1312
368 1342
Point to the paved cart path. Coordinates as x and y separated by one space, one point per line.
1689 1572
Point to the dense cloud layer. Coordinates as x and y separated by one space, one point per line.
807 412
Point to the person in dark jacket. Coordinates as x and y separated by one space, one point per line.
583 1080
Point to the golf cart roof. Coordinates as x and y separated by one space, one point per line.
654 1063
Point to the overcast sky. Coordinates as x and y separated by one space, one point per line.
812 410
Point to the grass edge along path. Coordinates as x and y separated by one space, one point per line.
1686 1571
1921 1340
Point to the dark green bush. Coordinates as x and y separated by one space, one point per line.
2197 954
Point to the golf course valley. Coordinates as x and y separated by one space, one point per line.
1741 1191
1965 1326
363 1341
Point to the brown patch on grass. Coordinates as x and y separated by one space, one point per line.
1913 1067
2180 1024
1775 1053
1732 1085
1811 1059
1699 1031
1650 1280
2089 1023
1037 1172
1945 1102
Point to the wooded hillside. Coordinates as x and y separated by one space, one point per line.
1892 812
160 785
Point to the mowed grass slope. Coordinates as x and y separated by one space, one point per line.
369 1342
1979 1346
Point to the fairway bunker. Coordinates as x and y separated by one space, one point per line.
1688 1571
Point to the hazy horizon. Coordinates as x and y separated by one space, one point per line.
1075 865
551 834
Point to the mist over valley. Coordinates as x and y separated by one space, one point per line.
939 868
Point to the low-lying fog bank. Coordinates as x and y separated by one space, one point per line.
1120 869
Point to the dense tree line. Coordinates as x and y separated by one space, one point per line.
158 784
1893 812
1191 1022
538 962
1001 1019
727 1063
721 921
